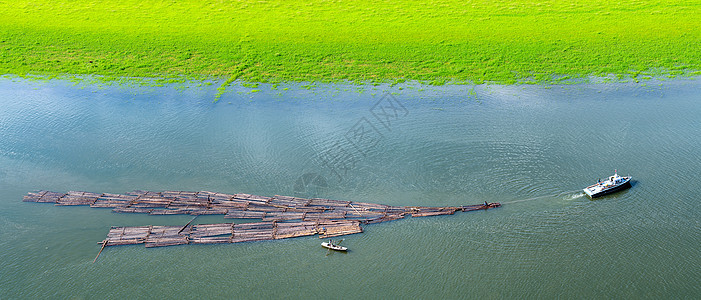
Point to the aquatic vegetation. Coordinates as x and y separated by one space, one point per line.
356 41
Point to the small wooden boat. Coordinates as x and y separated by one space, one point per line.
330 245
613 184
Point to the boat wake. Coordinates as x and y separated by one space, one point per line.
573 196
569 195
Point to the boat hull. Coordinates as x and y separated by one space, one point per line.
611 190
333 247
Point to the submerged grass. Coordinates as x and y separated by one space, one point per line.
439 42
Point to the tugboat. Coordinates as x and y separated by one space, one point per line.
613 184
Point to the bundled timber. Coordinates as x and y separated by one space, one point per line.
243 206
161 236
280 216
78 198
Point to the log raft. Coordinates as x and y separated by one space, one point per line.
279 217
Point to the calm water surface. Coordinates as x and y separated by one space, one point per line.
530 147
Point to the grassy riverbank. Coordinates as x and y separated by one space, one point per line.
460 41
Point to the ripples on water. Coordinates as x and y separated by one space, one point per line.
530 147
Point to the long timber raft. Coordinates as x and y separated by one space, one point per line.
280 217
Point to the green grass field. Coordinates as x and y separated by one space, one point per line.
358 41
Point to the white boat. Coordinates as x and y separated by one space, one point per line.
332 246
612 184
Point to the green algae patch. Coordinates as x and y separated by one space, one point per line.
355 41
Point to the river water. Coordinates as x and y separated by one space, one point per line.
531 148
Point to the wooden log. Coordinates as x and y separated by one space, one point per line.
372 214
217 196
253 233
256 225
236 203
49 197
132 210
480 206
163 242
296 224
205 230
301 209
333 215
433 213
77 198
396 210
340 228
294 229
368 206
324 216
113 200
151 202
104 243
140 232
168 211
285 201
170 194
355 209
257 198
210 211
238 239
295 233
103 204
328 203
283 216
210 240
140 193
244 215
188 224
127 235
264 208
179 203
123 242
385 218
261 200
151 205
165 236
430 210
34 197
